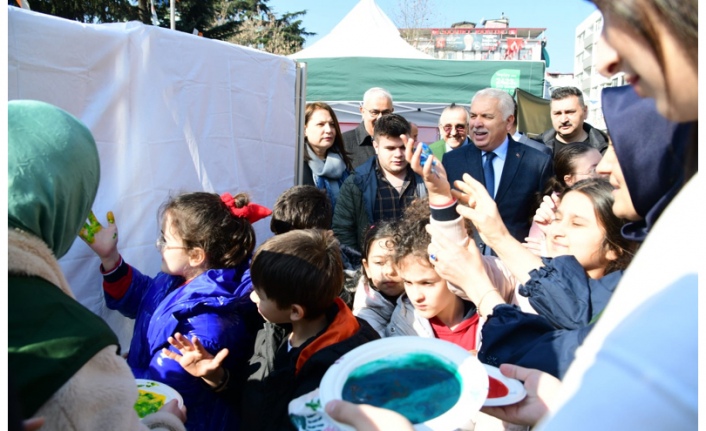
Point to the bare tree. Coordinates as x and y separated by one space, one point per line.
412 16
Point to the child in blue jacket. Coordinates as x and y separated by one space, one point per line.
202 290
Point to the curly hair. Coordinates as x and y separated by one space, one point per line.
411 236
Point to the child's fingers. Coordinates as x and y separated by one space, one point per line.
92 219
175 343
170 354
220 356
83 234
111 217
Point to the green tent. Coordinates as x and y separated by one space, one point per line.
420 88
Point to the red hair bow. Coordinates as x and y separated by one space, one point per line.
252 212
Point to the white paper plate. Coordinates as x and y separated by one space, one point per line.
160 389
474 380
516 390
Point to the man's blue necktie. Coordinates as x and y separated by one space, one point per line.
489 173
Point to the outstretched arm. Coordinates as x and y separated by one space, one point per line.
103 240
483 212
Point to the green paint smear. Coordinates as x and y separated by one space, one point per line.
419 386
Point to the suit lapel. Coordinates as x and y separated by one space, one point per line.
515 152
474 161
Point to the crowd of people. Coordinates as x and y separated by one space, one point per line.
544 258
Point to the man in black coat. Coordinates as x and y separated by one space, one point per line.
568 111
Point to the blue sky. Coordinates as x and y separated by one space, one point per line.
559 17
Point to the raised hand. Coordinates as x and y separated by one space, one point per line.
456 264
195 359
481 210
545 214
103 240
463 269
432 172
541 389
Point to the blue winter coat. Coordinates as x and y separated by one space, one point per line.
216 307
568 302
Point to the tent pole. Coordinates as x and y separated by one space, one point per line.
299 111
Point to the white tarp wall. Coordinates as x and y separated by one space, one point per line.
170 112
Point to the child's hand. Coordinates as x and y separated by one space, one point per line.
173 408
195 359
546 212
102 240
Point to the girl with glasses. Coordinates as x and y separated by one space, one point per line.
203 290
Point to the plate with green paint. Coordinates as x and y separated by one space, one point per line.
153 395
435 384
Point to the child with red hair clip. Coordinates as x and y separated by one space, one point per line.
202 291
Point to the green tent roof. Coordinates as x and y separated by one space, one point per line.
421 81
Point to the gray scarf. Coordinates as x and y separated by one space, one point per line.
331 168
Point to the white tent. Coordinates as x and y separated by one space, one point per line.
170 112
365 32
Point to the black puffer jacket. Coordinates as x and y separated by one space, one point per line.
596 138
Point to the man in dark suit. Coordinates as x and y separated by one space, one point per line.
513 173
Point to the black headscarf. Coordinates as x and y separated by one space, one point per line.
650 150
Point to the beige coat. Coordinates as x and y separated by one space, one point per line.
101 395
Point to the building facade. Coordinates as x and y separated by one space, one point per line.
587 77
496 40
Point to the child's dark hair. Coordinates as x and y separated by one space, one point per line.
202 220
564 164
565 158
600 192
301 207
379 231
411 236
301 267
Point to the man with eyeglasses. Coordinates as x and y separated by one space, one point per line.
453 130
359 141
513 173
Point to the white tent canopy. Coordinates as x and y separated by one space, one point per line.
365 32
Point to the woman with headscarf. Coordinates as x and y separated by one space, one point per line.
64 359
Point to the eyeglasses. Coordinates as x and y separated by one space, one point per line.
459 127
376 113
161 244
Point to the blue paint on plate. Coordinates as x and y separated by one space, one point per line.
419 386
